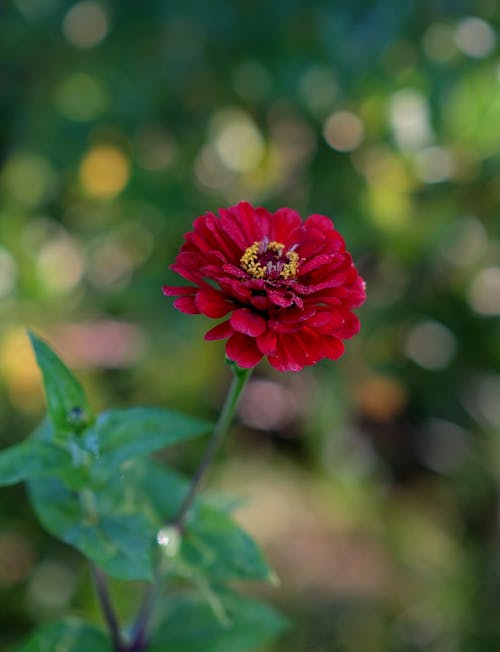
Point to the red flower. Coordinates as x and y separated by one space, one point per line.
288 286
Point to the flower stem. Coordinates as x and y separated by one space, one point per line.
240 378
108 611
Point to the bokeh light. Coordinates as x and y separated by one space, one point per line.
443 446
19 372
16 558
343 131
430 344
104 171
81 97
237 140
438 42
60 264
51 586
267 405
85 24
434 164
381 398
319 89
484 292
28 178
466 242
475 37
409 119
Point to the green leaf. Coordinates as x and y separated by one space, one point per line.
70 636
213 545
107 527
66 401
189 625
163 488
217 547
32 459
120 435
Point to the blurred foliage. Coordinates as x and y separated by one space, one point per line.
373 481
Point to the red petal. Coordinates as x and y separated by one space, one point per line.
186 305
321 222
311 344
247 322
219 332
302 348
235 289
260 302
254 222
357 293
283 223
230 225
280 326
233 270
335 281
311 242
330 299
187 265
267 343
243 350
278 362
212 303
222 240
327 321
280 299
349 328
297 350
332 348
178 291
283 361
314 263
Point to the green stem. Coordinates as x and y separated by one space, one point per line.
240 379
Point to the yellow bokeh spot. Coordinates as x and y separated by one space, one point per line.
271 171
389 191
390 210
20 372
104 171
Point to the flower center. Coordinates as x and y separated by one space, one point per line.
268 259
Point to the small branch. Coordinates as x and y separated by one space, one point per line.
107 608
139 630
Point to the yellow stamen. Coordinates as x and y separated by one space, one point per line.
251 261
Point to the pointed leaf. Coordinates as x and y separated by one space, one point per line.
70 636
107 527
119 435
67 404
32 459
213 545
189 625
217 547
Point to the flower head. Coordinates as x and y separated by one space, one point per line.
287 287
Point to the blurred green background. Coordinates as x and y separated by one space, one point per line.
372 483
